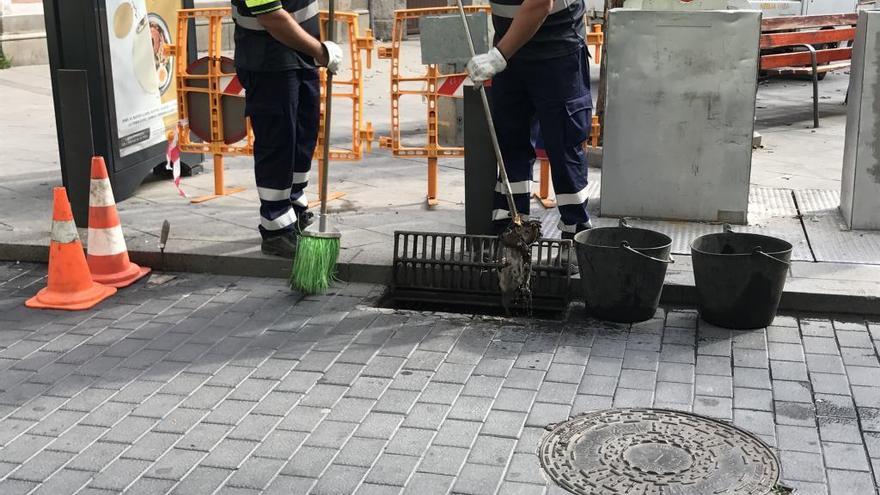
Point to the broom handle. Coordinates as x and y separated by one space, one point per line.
502 170
328 102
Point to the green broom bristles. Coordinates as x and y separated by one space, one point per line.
314 267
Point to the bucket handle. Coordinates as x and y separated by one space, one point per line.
759 250
625 245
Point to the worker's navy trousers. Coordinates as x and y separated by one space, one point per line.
284 108
555 94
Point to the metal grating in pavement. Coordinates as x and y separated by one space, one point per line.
772 212
831 239
817 201
768 202
657 451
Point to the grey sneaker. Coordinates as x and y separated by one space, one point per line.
283 245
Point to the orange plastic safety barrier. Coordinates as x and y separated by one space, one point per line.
211 84
216 84
360 54
362 135
596 38
430 82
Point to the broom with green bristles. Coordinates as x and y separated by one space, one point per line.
314 267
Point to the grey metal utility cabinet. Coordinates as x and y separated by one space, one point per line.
680 114
860 186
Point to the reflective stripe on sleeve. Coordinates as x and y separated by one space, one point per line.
260 3
246 22
509 11
249 22
306 13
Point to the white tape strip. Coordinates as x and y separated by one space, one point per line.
64 232
106 242
101 193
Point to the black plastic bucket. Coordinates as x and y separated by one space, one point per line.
740 277
622 271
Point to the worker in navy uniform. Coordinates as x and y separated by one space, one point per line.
277 55
540 80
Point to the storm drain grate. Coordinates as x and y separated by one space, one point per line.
462 270
655 451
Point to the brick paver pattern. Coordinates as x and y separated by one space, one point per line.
198 384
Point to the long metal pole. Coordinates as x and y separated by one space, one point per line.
502 171
328 102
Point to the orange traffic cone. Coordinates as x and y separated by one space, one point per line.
70 283
107 254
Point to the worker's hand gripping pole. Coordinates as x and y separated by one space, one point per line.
502 171
328 102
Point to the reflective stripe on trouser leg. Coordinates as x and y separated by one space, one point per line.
271 104
308 116
513 112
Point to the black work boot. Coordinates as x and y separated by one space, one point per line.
573 267
283 245
304 219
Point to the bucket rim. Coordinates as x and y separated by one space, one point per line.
667 239
742 234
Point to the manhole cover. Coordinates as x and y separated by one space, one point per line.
655 451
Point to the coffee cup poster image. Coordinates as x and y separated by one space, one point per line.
136 87
162 21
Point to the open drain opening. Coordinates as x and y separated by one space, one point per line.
485 308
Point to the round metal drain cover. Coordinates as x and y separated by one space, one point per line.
655 451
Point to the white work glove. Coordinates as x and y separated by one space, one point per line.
484 67
333 56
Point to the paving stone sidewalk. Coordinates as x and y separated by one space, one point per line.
198 384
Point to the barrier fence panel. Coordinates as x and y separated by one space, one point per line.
431 82
210 86
362 135
213 77
208 89
360 54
